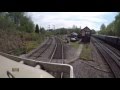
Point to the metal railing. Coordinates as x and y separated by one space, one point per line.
49 67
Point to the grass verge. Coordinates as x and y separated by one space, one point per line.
75 45
30 45
86 52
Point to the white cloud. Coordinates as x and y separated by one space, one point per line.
68 19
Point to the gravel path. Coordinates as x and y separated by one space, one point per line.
72 54
83 70
92 69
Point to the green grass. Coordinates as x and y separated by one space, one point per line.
19 43
75 45
30 45
86 52
33 41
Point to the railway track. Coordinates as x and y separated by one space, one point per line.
110 55
41 50
57 52
57 55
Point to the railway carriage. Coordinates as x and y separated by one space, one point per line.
118 43
101 37
111 40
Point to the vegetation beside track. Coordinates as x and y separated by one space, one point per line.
75 45
86 52
18 33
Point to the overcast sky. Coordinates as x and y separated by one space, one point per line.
67 19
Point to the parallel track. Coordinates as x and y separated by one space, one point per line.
58 53
57 56
110 55
42 49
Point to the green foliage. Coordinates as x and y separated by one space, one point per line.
93 31
48 33
110 29
16 17
117 25
32 41
17 34
102 27
26 25
42 30
16 20
75 45
5 23
37 28
86 53
63 31
113 29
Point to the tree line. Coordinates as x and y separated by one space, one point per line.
112 29
18 33
39 30
16 20
63 31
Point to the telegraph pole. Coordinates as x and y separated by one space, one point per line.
53 27
48 27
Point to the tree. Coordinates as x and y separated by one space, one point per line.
5 23
37 28
73 27
16 17
21 21
93 31
110 29
42 30
113 28
117 25
102 27
26 25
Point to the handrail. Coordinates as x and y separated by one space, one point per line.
49 67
